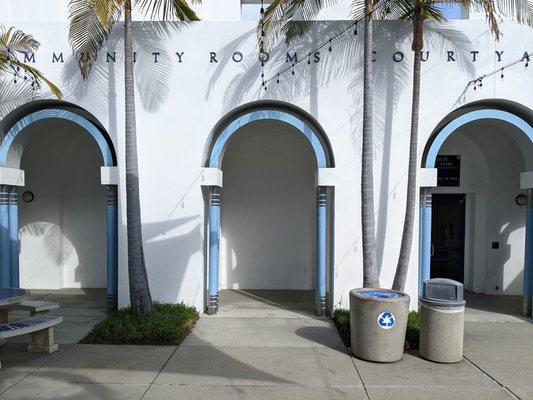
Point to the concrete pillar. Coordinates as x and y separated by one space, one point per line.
112 247
321 253
5 252
214 246
528 257
14 236
424 250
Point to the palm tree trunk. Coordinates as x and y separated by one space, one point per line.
370 267
140 298
407 236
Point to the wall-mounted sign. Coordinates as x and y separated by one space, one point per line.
448 170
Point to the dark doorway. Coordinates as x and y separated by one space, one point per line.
448 236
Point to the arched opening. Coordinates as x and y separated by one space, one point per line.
475 224
268 223
60 226
268 227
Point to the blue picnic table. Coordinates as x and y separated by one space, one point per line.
12 295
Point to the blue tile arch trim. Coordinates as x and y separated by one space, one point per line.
464 119
425 206
217 152
50 113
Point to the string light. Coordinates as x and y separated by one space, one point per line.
329 42
478 82
22 75
262 44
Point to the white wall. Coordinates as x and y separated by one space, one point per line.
62 231
491 162
268 212
179 104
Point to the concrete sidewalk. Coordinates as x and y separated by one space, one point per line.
268 345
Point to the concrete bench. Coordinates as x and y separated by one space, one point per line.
40 328
36 307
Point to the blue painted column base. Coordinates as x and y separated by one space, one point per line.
528 258
5 250
214 245
424 250
112 248
321 254
14 237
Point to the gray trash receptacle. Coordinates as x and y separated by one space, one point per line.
442 309
378 321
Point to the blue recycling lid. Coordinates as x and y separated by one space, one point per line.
381 294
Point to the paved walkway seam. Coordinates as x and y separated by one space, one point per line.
492 378
159 372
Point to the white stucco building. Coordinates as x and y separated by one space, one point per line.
274 173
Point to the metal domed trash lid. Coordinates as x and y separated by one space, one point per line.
378 322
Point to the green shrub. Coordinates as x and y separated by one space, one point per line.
413 329
342 317
168 325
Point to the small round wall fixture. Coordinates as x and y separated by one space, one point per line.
521 199
28 196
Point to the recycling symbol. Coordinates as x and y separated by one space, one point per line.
386 320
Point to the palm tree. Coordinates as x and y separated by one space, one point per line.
368 223
418 11
13 44
91 21
292 17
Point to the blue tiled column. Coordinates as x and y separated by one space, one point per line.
112 247
214 246
424 250
14 236
321 254
528 258
5 252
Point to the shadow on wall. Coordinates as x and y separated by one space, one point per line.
169 245
62 230
345 60
98 92
268 213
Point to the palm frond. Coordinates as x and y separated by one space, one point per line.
18 41
167 9
13 95
14 43
90 24
290 18
519 10
37 75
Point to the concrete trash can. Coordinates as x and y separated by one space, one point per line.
378 322
442 315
